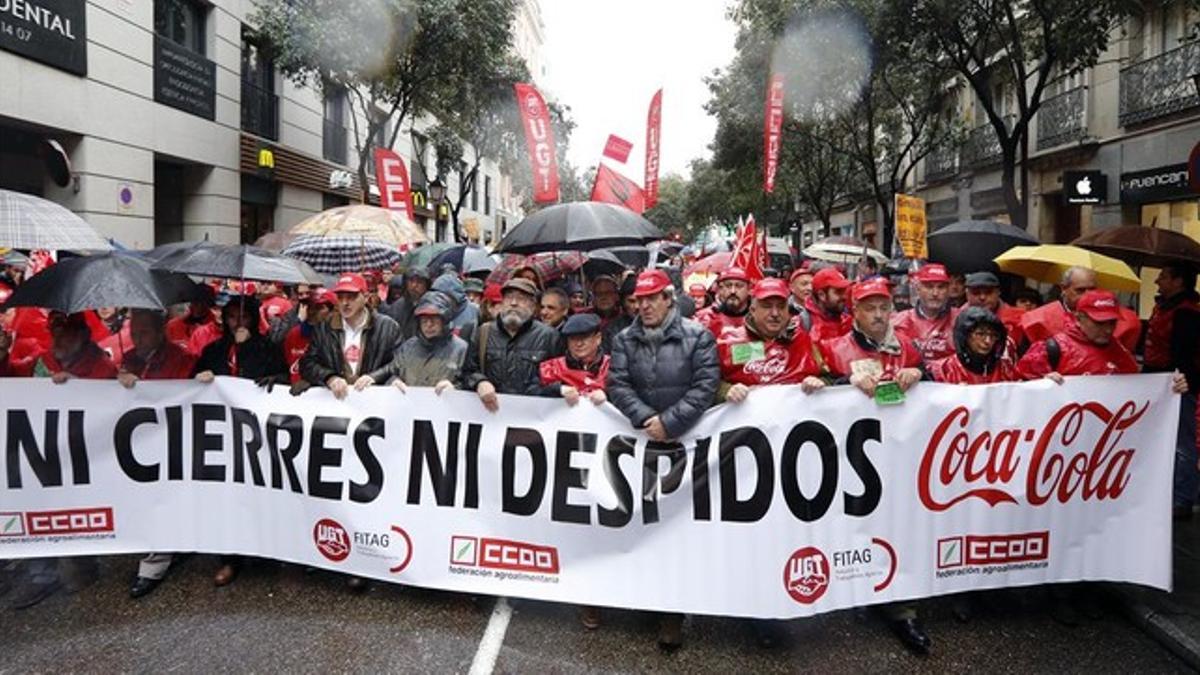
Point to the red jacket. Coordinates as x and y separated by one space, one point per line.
1079 357
295 343
934 337
169 362
92 363
825 327
1011 318
952 371
717 322
116 344
1053 317
180 331
273 307
852 353
204 335
788 359
1159 329
557 371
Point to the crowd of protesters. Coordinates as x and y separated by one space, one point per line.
660 355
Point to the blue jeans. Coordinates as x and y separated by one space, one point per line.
1187 476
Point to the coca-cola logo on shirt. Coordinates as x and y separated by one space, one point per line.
773 365
1053 462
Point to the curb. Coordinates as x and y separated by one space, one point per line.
1159 624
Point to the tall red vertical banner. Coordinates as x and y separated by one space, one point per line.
653 139
772 132
395 192
539 140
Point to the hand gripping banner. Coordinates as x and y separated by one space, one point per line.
785 505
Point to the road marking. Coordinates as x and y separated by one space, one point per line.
493 639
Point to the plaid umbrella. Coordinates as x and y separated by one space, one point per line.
335 255
29 222
361 221
549 266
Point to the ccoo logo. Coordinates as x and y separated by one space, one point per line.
331 539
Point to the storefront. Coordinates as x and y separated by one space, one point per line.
1161 197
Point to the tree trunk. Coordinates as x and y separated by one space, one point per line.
1008 186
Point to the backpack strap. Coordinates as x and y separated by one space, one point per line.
1053 353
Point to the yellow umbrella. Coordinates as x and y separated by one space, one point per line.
363 221
1047 263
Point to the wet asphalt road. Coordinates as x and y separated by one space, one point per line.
277 618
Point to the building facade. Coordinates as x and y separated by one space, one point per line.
163 120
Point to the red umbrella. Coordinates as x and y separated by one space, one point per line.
549 266
712 264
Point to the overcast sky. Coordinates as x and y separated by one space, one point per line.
606 59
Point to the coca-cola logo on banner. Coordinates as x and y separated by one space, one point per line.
1078 453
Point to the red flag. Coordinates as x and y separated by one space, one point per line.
772 132
395 193
617 148
653 138
748 251
539 140
614 188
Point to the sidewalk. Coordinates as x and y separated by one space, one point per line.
1172 618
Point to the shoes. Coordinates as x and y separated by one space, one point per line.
670 632
143 586
767 634
912 636
30 594
357 584
225 575
589 616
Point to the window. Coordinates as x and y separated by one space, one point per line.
181 22
379 140
418 178
487 195
260 106
333 129
462 186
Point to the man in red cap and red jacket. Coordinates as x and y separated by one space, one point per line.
930 322
768 349
823 315
870 354
733 299
1086 346
1053 317
317 307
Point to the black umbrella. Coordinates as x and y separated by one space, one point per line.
971 245
633 257
603 262
107 280
163 250
207 259
464 258
578 226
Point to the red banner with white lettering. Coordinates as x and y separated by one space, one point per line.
395 191
772 132
539 141
617 148
749 252
614 188
653 139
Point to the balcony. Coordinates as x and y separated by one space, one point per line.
260 111
942 163
1062 119
982 148
333 141
1160 86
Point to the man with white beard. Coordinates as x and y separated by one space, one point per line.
505 354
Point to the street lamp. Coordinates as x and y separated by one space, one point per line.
437 190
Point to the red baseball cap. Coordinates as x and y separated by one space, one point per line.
350 283
733 274
770 288
871 288
322 296
830 277
492 293
932 273
802 269
651 282
1099 305
694 289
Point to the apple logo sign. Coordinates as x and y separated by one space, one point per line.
1084 186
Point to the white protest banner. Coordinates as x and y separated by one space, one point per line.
785 505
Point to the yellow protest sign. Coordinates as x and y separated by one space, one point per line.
910 226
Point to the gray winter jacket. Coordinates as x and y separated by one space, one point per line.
675 379
421 362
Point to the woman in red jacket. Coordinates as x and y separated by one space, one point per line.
980 355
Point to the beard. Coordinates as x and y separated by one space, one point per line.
512 319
